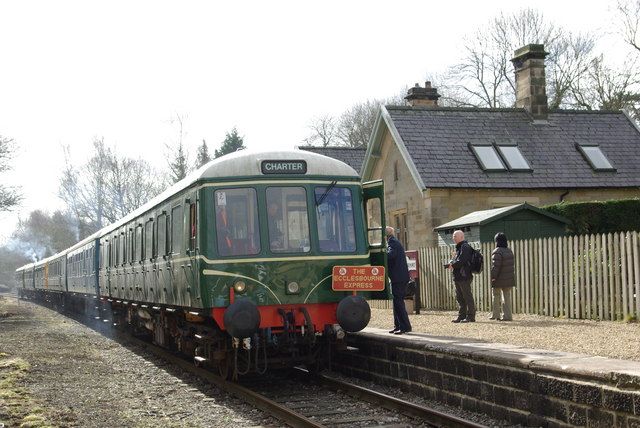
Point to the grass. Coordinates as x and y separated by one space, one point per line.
19 409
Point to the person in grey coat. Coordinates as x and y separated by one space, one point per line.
503 278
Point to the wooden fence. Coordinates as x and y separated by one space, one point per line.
586 276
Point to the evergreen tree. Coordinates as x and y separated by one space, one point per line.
178 163
232 142
203 155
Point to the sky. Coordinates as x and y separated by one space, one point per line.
71 71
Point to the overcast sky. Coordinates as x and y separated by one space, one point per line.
72 71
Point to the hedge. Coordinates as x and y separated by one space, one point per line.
599 217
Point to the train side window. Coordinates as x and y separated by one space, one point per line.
148 237
192 227
161 244
335 217
374 229
287 219
139 244
237 229
177 229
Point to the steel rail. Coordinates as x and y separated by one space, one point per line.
430 416
263 403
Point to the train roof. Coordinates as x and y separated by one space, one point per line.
28 265
241 164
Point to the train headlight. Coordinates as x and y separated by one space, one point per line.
239 286
293 288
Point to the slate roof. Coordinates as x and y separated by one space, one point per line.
479 218
438 139
349 155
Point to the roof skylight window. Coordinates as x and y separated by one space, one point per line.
513 157
596 158
488 158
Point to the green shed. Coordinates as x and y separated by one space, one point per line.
521 221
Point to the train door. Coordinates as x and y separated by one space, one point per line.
178 284
148 269
373 200
162 264
135 235
191 268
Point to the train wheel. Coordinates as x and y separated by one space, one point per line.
224 368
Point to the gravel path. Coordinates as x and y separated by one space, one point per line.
55 371
610 339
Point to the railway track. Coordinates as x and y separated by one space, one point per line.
300 399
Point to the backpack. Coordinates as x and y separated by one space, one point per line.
477 261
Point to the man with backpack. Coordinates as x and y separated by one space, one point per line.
461 268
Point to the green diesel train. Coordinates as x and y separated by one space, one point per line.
255 260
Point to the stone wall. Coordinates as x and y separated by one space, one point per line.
521 386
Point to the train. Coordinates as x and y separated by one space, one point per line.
256 260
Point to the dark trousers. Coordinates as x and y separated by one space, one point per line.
465 299
400 316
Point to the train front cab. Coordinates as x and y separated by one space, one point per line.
294 304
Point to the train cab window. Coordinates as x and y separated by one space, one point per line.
336 224
287 219
237 222
148 240
161 245
177 230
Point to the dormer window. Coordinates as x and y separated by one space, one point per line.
488 158
595 157
514 159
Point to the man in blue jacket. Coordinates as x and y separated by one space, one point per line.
460 266
399 274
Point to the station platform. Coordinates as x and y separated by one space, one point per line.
530 387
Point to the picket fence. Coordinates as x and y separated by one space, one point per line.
585 276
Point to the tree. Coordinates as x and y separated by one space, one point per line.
177 157
485 77
353 127
607 89
84 190
202 156
629 13
356 124
178 162
106 188
9 196
232 143
324 131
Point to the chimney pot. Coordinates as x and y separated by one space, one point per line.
426 96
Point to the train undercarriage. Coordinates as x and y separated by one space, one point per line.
197 336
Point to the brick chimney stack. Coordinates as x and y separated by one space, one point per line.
426 96
531 91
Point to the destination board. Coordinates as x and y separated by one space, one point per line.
357 278
283 167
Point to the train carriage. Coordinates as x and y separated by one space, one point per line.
235 264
